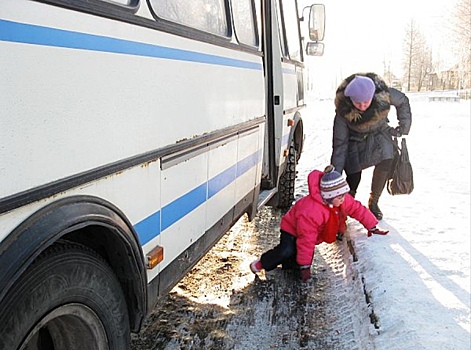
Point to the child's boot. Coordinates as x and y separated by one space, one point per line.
256 266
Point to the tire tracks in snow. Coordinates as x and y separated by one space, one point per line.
221 305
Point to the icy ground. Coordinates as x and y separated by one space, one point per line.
407 290
221 305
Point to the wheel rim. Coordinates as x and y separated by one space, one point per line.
61 328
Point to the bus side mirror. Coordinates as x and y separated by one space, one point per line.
314 49
317 22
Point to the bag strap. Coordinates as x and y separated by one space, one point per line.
404 151
396 144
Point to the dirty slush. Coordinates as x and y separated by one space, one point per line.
220 304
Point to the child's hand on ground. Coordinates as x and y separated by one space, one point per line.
377 231
305 273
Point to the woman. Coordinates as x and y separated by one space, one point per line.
362 136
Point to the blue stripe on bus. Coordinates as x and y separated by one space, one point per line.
38 35
184 205
221 181
148 228
151 227
248 163
228 176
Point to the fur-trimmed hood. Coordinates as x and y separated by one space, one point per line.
375 116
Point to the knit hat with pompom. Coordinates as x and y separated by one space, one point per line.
333 184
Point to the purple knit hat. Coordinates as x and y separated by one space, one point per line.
360 89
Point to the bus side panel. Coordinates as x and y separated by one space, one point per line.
290 84
135 191
133 84
184 189
95 106
289 105
249 162
221 180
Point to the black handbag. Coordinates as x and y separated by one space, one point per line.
401 177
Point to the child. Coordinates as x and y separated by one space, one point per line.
314 219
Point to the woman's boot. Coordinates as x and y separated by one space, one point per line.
377 185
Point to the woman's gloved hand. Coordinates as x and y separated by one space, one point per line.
396 132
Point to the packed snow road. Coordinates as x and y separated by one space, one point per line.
406 290
220 304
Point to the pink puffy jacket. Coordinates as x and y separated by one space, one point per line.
308 217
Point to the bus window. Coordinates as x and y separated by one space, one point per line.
244 22
130 3
291 30
284 50
207 15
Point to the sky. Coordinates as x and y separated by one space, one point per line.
417 276
368 35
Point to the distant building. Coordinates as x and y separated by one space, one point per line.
431 82
392 81
449 79
454 78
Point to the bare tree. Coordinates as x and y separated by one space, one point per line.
424 67
408 52
417 62
460 25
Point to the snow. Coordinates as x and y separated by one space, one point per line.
407 290
418 276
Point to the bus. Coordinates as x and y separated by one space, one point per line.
134 134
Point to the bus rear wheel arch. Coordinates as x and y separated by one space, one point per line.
68 299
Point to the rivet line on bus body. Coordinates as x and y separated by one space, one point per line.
154 257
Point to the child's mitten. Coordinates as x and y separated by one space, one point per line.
377 231
305 272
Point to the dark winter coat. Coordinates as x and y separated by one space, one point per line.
364 139
308 217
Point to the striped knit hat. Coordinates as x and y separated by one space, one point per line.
332 183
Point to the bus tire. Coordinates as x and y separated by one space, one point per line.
287 180
70 299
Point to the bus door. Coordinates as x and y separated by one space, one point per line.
274 85
283 64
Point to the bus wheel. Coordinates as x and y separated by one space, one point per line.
68 299
287 180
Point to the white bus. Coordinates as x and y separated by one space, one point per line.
133 134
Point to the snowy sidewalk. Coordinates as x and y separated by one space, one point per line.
418 276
